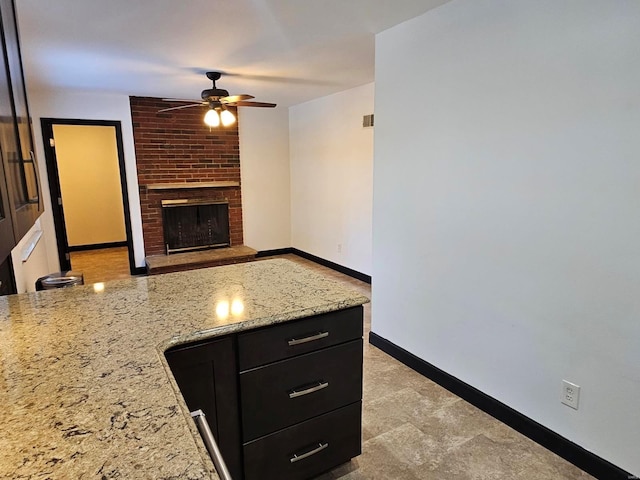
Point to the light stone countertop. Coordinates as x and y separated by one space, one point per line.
85 390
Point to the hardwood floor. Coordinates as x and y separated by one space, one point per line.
102 265
413 429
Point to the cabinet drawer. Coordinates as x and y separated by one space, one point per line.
290 391
301 336
306 449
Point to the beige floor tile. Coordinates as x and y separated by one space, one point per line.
379 461
479 458
404 406
542 463
454 423
410 445
383 375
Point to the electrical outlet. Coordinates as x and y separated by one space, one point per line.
339 248
570 394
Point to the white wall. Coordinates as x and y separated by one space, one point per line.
86 106
331 177
264 170
506 204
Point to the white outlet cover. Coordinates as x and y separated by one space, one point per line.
570 394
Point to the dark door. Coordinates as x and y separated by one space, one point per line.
7 145
7 239
57 197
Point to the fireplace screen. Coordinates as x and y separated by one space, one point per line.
194 225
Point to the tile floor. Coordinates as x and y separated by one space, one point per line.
412 428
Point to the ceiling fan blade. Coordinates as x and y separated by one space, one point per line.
179 100
236 98
252 104
181 107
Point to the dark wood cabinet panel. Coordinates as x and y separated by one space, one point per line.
7 238
287 340
207 377
16 137
287 392
7 145
7 286
306 449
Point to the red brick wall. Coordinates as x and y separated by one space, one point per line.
177 147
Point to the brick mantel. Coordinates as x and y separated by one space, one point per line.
183 186
179 157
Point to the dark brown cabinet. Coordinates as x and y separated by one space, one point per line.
206 374
7 135
283 401
7 285
308 448
20 203
284 393
7 238
266 345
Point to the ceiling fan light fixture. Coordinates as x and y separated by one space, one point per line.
212 118
227 118
217 100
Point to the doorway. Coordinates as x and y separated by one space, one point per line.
88 186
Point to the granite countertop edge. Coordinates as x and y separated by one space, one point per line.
254 323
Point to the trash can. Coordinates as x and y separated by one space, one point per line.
59 280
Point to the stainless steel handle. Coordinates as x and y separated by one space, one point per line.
210 443
307 391
298 341
319 448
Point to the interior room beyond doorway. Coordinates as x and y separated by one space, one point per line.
87 158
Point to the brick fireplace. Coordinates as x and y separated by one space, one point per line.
179 158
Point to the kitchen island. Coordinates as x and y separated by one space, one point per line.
84 384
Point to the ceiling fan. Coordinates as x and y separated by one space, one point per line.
217 99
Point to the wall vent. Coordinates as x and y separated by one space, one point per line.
367 120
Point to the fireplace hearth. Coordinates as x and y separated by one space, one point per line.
195 225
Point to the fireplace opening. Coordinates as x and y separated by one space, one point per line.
195 225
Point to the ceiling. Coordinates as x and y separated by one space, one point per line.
282 51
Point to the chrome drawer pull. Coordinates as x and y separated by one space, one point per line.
319 448
298 341
315 388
